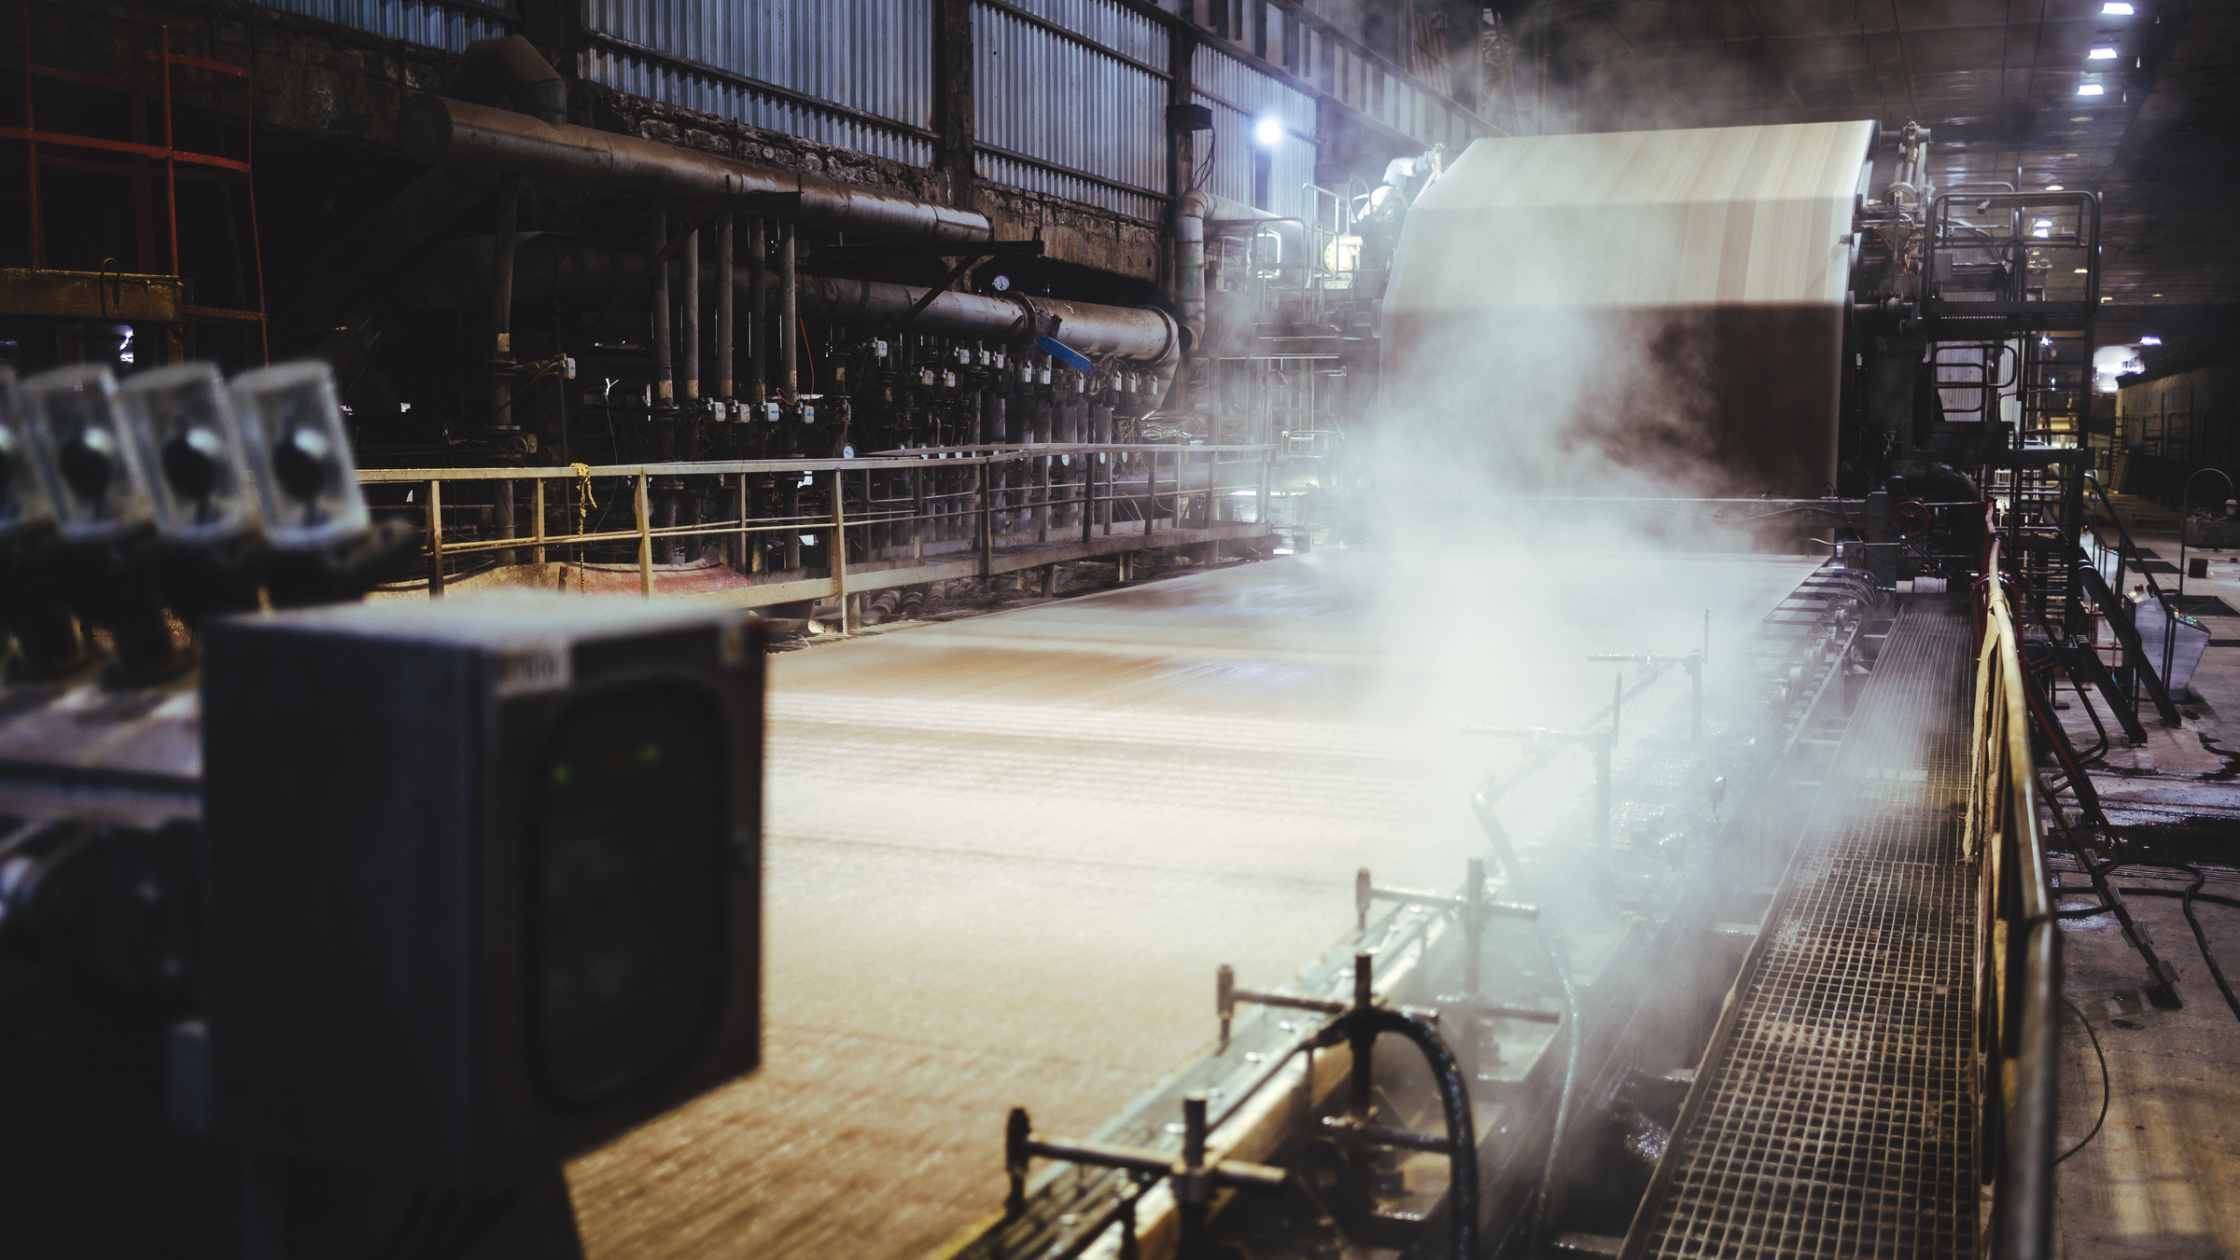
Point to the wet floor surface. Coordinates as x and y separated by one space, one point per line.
1005 855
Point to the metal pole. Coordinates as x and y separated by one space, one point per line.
987 521
692 315
645 539
840 550
726 300
536 498
789 313
746 543
664 371
435 538
758 306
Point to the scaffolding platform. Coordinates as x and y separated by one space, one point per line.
1835 1113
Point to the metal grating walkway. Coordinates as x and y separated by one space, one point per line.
1835 1117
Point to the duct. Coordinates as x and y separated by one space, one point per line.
1190 265
478 138
510 71
548 268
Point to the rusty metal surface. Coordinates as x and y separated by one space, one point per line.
491 141
1006 854
58 293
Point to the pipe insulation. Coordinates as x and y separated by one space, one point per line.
548 268
490 141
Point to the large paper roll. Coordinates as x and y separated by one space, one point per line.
1627 313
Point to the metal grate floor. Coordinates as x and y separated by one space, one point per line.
1837 1116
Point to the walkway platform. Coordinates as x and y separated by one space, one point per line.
1834 1112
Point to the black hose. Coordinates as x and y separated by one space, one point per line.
2086 1140
2186 896
1505 857
1454 1103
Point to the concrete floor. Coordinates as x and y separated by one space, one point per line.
2162 1178
1005 855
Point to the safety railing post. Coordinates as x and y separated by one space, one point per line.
1151 494
917 513
982 482
435 538
745 539
840 549
1088 497
645 536
536 505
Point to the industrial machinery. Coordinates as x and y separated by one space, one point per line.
309 918
1557 1053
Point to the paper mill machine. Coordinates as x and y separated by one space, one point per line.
1782 321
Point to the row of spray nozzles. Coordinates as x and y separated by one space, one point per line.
179 450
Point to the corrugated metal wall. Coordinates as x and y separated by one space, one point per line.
1070 95
429 23
782 65
1078 113
1240 96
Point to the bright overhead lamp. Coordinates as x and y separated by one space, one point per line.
2091 89
2102 53
2118 8
2149 339
2084 271
2158 295
2053 188
2107 299
1268 132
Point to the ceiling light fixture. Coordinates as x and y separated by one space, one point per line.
2102 53
2084 271
2053 188
1268 132
2091 89
2117 8
2149 339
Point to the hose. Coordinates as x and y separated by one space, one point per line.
2186 897
1505 856
1454 1103
2086 1140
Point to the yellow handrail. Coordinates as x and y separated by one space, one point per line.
2018 956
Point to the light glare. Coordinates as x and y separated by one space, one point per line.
2091 89
1268 132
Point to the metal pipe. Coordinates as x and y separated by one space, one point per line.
726 294
1190 265
692 315
789 308
548 268
481 138
664 372
758 305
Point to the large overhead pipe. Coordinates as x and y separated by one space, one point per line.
480 138
548 268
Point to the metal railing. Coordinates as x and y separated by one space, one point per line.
888 520
2018 950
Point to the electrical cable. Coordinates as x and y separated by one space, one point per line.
2187 896
2097 1053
